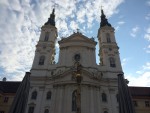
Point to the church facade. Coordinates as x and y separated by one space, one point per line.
76 84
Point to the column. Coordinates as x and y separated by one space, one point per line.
60 92
53 101
56 108
95 100
84 99
99 101
88 99
91 100
68 102
113 101
38 107
63 99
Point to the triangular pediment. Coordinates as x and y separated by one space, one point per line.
78 37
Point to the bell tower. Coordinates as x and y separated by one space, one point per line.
109 50
45 49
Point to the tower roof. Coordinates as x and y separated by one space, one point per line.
104 21
51 20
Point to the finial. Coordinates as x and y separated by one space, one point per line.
104 21
53 11
54 6
102 12
51 20
78 30
101 7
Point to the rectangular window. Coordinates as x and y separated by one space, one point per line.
31 109
135 103
6 99
147 104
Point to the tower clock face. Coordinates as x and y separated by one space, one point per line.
77 57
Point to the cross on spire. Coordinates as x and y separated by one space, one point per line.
78 30
51 20
54 5
101 7
104 21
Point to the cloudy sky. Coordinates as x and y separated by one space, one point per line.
21 20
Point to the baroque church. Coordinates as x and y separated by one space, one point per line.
76 84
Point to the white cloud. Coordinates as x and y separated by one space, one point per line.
4 2
147 49
147 66
143 77
147 37
139 72
147 17
81 15
117 28
148 3
121 22
124 61
73 25
148 30
21 22
134 31
147 34
142 80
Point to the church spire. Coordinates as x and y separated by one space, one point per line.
51 20
104 21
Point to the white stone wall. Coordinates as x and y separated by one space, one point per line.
46 48
58 78
87 56
105 47
62 89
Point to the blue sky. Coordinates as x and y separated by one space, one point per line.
21 20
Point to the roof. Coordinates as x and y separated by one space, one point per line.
9 86
139 91
12 86
78 37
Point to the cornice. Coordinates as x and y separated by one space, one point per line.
69 39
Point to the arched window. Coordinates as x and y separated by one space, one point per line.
74 97
46 111
48 96
108 37
112 62
46 36
31 109
104 97
34 95
105 112
41 60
